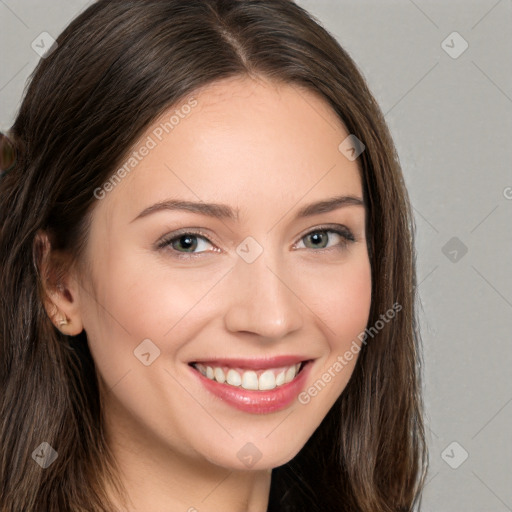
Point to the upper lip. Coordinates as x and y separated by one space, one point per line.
261 363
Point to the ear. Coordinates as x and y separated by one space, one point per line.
59 286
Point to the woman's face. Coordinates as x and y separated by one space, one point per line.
250 289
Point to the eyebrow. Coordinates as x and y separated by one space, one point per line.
222 211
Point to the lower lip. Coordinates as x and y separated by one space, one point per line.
257 402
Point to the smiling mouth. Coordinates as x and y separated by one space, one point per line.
251 380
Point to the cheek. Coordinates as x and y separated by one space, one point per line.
349 305
340 296
132 301
343 311
141 295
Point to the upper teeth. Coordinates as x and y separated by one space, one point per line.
249 379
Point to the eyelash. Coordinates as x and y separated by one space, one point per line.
167 241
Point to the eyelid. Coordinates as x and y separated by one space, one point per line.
339 228
165 241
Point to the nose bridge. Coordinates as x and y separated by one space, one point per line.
262 300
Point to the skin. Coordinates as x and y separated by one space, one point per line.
267 149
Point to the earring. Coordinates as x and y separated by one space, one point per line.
63 322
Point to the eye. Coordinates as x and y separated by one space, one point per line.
189 243
321 236
186 243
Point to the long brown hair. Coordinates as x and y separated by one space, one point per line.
115 69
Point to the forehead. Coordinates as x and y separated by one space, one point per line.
242 141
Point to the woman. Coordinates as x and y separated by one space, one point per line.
172 336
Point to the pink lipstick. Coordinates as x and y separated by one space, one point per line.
258 386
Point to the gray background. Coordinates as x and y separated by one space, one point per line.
452 124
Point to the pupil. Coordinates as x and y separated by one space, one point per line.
317 237
187 242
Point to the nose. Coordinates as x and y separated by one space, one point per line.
262 300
